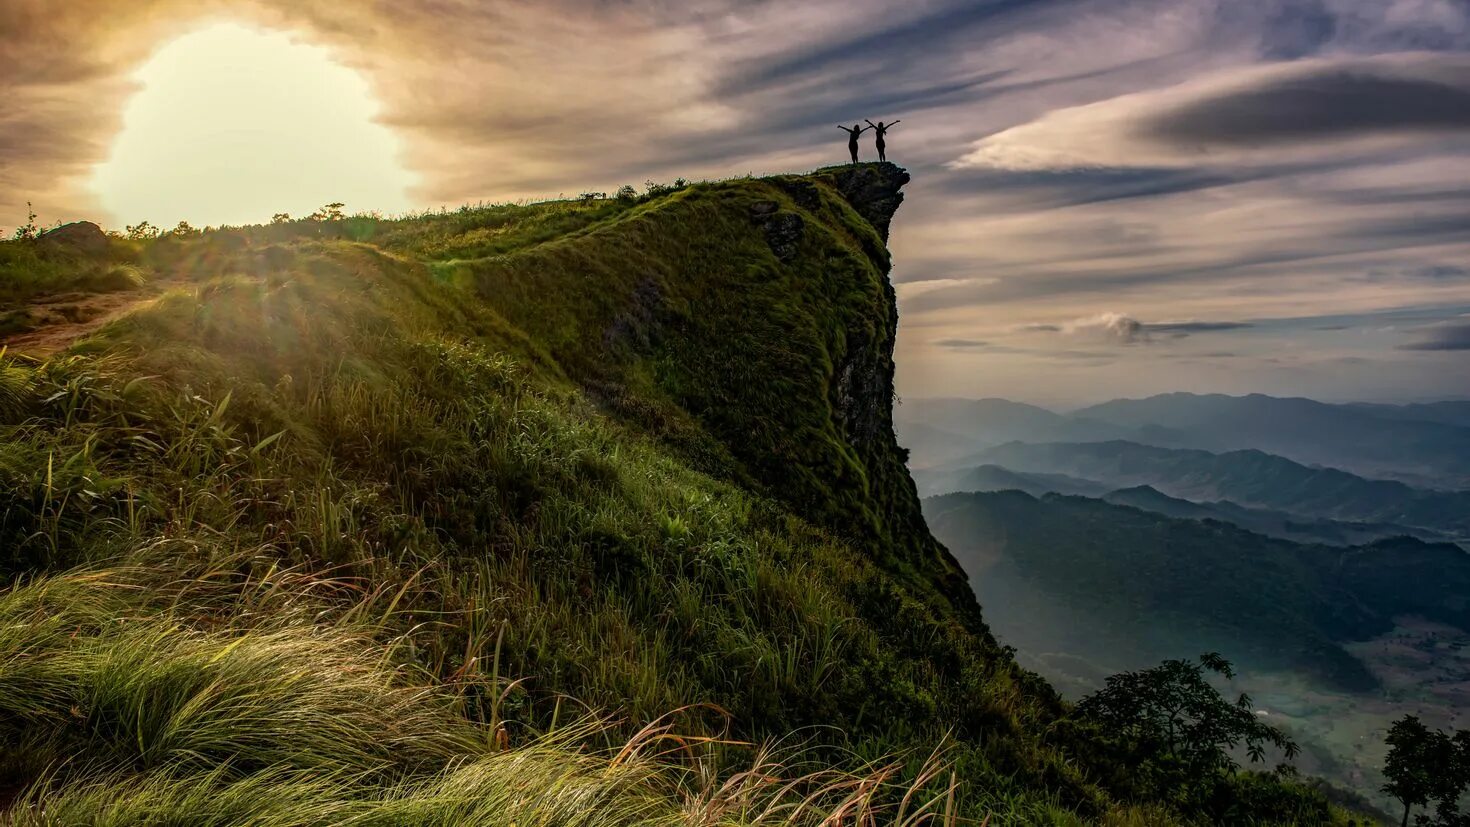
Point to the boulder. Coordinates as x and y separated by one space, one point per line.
82 236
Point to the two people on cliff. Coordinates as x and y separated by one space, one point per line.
880 129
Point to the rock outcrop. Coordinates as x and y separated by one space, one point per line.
80 237
874 190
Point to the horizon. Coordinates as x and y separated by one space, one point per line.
1071 409
1252 197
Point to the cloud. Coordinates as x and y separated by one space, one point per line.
1195 326
1120 328
1108 327
962 344
1438 272
1276 113
1449 336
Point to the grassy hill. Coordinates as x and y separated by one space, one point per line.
571 513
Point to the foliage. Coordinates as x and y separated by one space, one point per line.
1177 729
141 231
330 212
626 193
1425 765
28 231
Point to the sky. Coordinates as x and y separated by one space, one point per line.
1110 197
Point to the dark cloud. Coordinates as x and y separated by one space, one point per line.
1296 30
1195 326
1327 101
1455 336
961 344
894 45
1439 272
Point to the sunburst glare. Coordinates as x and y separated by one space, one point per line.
233 124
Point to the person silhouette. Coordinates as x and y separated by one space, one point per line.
852 136
881 129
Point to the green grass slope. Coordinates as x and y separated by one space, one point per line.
570 513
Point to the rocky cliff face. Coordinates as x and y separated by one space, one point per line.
874 190
863 387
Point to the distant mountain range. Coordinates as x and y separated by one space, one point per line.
1281 524
1250 478
1426 445
1076 575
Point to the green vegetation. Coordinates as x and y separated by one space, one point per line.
578 513
1171 728
1272 604
1427 765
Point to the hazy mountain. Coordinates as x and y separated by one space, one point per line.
1364 439
1282 524
1072 574
940 431
1446 413
1250 478
997 478
928 445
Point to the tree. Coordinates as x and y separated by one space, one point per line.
142 231
1173 718
330 212
28 230
1426 765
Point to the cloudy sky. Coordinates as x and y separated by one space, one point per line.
1110 197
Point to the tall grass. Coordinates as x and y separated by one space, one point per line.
208 700
350 542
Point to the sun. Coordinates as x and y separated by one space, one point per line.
233 124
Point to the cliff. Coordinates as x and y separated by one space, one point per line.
342 513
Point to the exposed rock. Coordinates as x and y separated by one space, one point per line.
760 209
82 237
783 229
874 190
783 232
804 193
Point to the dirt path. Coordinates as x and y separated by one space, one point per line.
60 320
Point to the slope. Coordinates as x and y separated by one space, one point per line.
362 517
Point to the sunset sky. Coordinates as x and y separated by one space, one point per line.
1110 197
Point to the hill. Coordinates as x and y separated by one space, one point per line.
938 431
1446 413
1264 521
1154 586
1249 478
1365 441
357 520
996 478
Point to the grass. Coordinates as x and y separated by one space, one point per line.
335 532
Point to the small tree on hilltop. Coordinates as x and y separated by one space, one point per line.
1178 722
